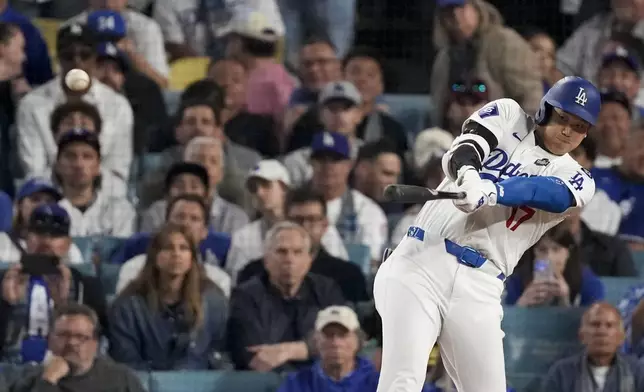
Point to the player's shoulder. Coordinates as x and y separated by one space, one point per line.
501 107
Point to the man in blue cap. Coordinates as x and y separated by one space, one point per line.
136 34
472 41
620 70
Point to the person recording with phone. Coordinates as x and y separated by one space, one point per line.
551 273
37 285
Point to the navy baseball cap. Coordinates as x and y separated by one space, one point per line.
79 135
330 143
108 24
38 185
620 54
50 219
451 3
107 50
75 33
187 168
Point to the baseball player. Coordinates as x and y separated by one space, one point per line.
444 280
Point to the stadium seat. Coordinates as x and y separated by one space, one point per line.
86 247
616 288
638 257
109 276
4 265
86 269
213 381
172 100
144 377
359 254
106 247
412 111
535 338
49 29
187 70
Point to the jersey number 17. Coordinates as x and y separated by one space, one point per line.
516 219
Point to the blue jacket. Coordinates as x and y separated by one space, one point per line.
144 339
37 68
215 244
313 379
592 289
6 212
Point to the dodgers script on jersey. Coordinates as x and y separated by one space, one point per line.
503 233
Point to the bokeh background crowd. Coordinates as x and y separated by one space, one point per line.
207 216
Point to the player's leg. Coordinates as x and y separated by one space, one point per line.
410 325
471 341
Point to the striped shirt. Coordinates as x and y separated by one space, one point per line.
36 145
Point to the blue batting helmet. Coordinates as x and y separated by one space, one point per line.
573 95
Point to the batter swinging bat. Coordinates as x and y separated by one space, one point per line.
397 193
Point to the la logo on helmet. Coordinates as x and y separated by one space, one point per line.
581 98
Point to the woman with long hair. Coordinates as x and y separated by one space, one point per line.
552 273
171 316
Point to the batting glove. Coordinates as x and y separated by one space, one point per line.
478 192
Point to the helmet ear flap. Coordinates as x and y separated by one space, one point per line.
543 114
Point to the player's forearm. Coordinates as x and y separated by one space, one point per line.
469 149
544 193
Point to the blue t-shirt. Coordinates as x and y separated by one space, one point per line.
592 289
37 67
630 197
214 249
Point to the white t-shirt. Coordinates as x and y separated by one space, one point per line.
9 252
108 215
503 233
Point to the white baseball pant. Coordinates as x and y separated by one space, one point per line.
423 295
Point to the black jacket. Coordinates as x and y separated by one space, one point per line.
260 315
606 255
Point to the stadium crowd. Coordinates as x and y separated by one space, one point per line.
208 214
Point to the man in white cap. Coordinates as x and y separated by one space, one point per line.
268 183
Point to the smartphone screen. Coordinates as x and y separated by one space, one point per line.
542 270
35 264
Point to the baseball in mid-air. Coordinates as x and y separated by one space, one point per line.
77 80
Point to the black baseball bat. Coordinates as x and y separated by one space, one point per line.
397 193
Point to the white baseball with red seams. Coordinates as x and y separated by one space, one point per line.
77 80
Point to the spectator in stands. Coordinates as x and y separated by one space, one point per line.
171 316
273 315
364 71
187 177
613 126
32 194
338 340
93 209
623 184
601 366
190 212
466 97
144 94
23 329
12 59
601 215
553 272
582 52
339 111
76 46
377 166
78 114
37 68
545 48
358 219
429 147
139 36
472 40
308 209
257 132
318 66
75 364
191 28
620 71
268 184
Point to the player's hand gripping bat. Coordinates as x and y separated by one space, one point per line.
397 193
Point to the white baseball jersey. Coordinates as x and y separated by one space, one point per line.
503 233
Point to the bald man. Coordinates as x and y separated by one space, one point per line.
600 367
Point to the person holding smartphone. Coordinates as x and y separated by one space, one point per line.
552 273
40 283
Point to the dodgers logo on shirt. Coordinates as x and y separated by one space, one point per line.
489 111
498 167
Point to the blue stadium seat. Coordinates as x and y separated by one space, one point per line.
109 276
412 111
86 247
4 265
144 377
359 254
616 288
535 338
638 257
86 269
214 381
172 99
106 247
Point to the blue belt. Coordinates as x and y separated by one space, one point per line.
472 258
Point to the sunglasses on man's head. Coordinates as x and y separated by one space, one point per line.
469 88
